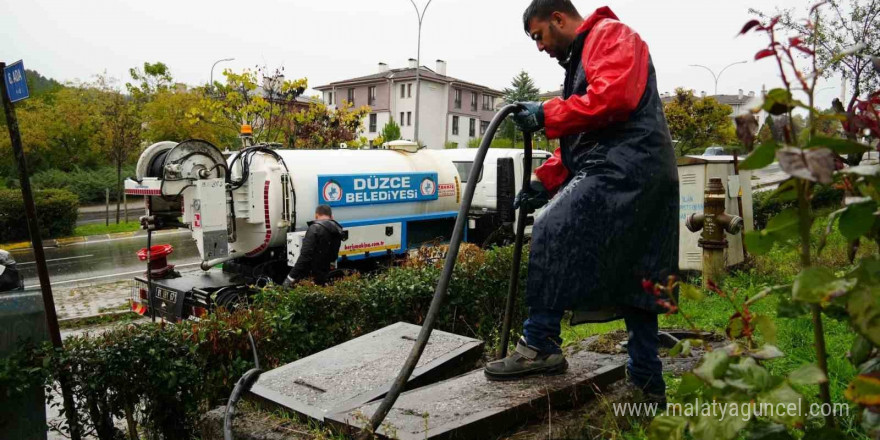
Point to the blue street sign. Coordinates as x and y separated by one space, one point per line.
16 84
373 189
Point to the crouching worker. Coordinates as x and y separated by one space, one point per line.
10 278
613 221
320 249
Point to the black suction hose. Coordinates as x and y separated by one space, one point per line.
443 284
521 217
242 386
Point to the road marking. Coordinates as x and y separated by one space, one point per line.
56 259
33 286
80 243
127 238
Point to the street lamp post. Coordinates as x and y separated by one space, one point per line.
718 77
421 17
215 65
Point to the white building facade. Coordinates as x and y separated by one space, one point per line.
449 107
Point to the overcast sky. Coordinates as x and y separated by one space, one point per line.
329 40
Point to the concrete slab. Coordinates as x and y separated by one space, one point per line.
471 407
361 370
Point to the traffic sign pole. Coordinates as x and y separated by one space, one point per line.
37 244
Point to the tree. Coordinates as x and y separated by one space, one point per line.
32 117
320 127
166 118
59 133
774 127
154 78
391 131
39 85
522 89
844 26
697 123
120 131
269 110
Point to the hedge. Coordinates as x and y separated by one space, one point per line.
765 206
89 185
163 378
56 214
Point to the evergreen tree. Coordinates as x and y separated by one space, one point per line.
522 88
391 131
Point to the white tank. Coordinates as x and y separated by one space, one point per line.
261 202
358 184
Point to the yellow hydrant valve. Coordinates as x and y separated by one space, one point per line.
714 222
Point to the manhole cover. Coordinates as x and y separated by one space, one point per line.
470 406
361 370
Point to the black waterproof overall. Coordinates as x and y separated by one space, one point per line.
615 222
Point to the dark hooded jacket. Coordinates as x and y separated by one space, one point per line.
320 249
10 278
614 220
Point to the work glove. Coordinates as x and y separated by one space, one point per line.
532 198
530 118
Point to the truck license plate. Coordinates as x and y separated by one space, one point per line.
168 296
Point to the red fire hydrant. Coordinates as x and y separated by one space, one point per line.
159 267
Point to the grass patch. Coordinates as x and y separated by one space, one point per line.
90 321
101 229
119 308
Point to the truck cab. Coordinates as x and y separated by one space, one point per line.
492 216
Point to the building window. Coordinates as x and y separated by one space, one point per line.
472 129
457 98
403 90
473 101
402 121
484 125
455 125
371 95
409 90
373 123
351 96
488 102
409 118
329 98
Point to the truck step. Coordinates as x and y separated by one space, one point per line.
471 407
361 370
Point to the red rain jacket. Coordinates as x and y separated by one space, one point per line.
615 60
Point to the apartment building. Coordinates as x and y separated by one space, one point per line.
452 110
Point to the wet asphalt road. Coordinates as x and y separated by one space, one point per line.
109 260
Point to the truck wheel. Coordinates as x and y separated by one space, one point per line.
231 300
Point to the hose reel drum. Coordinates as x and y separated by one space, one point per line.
188 160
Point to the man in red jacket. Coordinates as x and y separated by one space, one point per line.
612 222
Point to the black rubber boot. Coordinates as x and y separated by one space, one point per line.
525 361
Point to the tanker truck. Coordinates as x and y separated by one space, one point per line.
248 212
